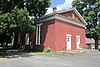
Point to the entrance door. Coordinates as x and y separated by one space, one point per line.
68 40
77 42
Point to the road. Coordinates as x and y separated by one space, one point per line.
81 60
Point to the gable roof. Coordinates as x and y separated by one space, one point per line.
76 12
56 15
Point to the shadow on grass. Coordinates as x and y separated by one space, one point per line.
3 53
12 53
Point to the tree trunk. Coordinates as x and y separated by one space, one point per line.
96 43
15 45
23 41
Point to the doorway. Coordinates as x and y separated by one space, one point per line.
77 41
68 42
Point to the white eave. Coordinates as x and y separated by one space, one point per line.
77 13
63 18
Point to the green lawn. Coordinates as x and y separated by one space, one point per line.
43 53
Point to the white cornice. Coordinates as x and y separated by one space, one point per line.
77 13
63 18
60 17
46 19
62 11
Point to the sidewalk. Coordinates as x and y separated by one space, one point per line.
72 52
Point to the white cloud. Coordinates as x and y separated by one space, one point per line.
50 10
58 8
65 5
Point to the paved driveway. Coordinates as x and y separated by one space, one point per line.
81 60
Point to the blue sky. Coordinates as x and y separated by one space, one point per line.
60 4
56 2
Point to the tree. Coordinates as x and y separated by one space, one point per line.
5 4
90 10
16 22
5 35
19 18
36 8
22 22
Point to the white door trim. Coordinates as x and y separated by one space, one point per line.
68 44
77 36
68 35
77 41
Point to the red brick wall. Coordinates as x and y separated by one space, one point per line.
32 40
54 33
69 15
61 29
48 34
23 41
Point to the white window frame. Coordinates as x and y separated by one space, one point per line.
38 32
27 39
73 16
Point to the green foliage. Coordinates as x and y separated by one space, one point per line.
5 35
8 5
90 10
14 16
16 21
21 21
4 19
36 8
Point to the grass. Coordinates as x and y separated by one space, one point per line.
3 54
51 54
43 53
63 54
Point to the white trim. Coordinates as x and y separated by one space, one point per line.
27 39
68 35
79 41
39 24
63 18
62 11
79 15
73 16
68 45
46 19
38 33
77 36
